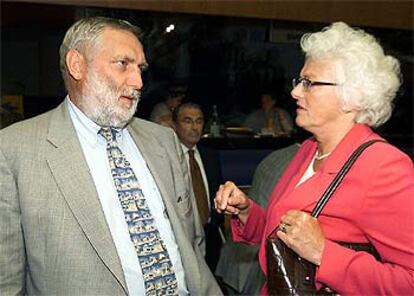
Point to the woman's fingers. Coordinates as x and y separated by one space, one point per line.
228 198
303 234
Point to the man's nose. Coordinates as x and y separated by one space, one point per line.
195 125
135 79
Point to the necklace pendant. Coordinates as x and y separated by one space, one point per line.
323 156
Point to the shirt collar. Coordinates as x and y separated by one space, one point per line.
186 149
85 126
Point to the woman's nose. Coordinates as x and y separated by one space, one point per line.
296 92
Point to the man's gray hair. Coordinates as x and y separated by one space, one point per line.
84 37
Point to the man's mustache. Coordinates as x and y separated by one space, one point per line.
132 93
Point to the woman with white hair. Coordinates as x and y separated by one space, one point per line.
345 89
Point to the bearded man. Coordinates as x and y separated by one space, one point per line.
92 200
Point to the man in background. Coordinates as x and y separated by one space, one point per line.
87 204
162 112
205 170
271 119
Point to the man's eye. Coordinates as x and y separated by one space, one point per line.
122 63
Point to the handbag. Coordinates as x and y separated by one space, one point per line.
287 272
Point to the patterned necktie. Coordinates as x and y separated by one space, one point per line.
199 188
157 268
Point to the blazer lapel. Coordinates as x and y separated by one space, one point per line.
70 170
305 196
286 187
355 137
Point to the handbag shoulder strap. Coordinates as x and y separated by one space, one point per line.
340 176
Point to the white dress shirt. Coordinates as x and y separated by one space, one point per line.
94 149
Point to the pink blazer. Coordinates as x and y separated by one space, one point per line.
374 203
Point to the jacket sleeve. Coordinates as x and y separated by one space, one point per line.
252 231
387 221
12 255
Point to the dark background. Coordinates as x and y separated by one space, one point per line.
223 60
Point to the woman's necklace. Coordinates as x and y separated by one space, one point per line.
323 156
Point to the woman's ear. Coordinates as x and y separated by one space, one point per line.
76 64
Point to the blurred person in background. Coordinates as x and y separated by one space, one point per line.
270 119
162 112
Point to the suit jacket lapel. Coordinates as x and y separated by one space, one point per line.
154 157
69 168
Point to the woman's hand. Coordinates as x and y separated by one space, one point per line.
231 200
303 234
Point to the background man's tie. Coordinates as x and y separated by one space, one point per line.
152 254
199 188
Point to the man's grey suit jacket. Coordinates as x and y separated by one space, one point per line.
54 239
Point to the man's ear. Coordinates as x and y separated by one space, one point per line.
76 64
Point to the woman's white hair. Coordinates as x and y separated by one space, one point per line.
371 79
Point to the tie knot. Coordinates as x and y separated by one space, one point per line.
191 152
108 133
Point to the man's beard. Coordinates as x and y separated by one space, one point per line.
99 101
